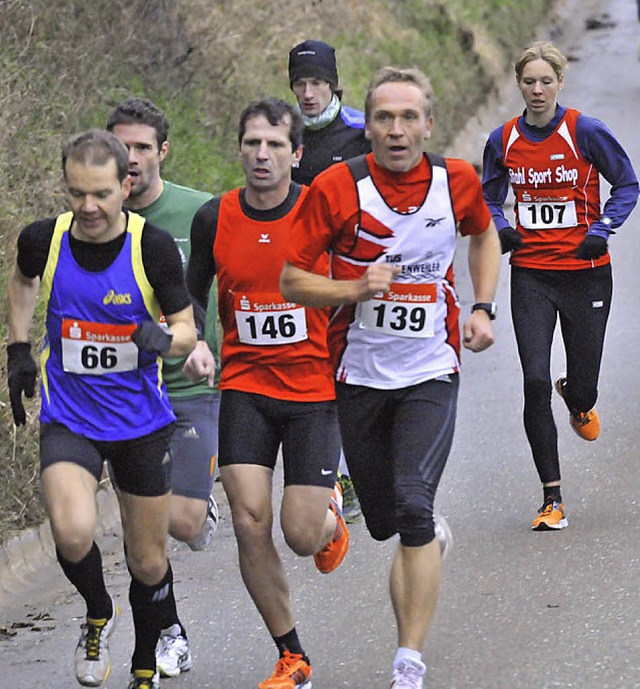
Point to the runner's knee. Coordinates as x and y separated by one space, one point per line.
414 515
537 394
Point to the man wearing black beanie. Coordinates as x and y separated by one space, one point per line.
333 132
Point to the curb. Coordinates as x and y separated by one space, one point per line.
27 554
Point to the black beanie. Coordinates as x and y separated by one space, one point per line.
313 59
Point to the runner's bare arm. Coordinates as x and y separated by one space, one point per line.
484 267
201 364
183 329
311 289
22 295
484 263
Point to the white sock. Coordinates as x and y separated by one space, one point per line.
404 653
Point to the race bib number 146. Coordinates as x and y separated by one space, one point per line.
267 319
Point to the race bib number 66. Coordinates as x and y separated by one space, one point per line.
98 348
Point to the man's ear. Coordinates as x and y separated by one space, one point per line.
164 150
428 128
126 187
297 155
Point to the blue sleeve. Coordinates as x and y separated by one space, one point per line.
495 179
351 117
599 146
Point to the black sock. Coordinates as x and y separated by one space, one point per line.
169 611
551 494
150 606
290 642
88 578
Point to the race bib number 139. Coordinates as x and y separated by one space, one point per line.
406 310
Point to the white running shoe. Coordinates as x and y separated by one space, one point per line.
172 652
443 534
92 661
408 674
209 528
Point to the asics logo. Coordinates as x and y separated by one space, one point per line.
112 297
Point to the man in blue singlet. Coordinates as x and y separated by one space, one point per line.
105 276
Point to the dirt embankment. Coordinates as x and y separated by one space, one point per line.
202 62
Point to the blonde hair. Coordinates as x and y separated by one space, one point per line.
541 50
407 76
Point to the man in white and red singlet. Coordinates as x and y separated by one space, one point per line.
389 221
276 380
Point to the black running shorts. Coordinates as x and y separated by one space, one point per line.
141 466
252 428
396 443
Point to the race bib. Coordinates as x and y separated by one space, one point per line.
97 348
267 319
546 209
406 310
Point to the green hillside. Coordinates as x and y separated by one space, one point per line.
64 64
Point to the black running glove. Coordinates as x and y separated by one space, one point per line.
510 240
592 246
21 376
152 337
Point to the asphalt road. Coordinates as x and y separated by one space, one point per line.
518 609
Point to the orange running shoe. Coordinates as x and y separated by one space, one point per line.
330 557
292 671
551 517
586 424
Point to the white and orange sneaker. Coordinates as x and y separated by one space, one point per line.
551 517
331 556
292 671
586 424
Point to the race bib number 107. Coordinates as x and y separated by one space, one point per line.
555 209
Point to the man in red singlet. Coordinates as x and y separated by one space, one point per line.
276 380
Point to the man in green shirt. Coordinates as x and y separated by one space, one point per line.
143 127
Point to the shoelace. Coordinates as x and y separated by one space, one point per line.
92 641
583 418
285 666
166 646
93 634
410 676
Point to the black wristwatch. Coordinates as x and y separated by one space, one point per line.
489 306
